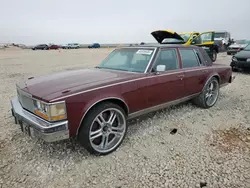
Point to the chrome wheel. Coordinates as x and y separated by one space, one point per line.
107 130
212 93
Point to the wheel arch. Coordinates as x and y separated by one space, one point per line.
215 75
116 100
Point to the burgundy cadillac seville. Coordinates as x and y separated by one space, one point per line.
95 104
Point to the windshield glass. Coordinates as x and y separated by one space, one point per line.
185 36
248 47
241 42
219 35
127 59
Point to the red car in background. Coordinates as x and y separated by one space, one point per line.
53 47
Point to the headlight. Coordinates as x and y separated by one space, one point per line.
248 60
234 58
50 112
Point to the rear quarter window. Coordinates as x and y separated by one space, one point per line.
207 59
189 58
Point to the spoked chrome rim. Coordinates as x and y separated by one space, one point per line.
107 130
212 93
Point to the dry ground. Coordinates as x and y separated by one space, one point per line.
211 147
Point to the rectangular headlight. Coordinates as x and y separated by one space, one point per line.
50 112
57 111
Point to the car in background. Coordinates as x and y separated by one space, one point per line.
241 59
94 45
94 105
237 46
53 47
204 40
71 46
223 39
40 47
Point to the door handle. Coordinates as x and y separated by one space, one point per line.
204 70
180 76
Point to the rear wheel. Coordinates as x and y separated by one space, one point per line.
214 55
103 129
209 95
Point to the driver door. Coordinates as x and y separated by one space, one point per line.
204 39
167 84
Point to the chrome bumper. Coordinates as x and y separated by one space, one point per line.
37 127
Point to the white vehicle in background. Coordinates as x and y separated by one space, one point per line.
71 46
223 39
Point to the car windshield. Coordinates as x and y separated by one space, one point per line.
185 36
219 35
247 48
128 59
241 42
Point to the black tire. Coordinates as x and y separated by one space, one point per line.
234 69
200 100
84 131
228 53
214 56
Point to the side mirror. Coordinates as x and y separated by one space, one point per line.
160 68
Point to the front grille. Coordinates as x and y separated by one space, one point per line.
242 59
25 100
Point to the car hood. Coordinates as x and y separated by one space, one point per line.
243 54
160 35
60 84
237 45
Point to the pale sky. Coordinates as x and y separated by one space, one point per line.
116 21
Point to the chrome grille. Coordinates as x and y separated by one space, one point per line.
25 100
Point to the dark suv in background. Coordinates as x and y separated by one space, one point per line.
40 47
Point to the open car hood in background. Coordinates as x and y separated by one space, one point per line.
160 35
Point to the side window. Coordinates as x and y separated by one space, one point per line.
189 58
168 58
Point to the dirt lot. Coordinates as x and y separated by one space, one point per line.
211 147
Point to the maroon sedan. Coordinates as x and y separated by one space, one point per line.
95 104
53 47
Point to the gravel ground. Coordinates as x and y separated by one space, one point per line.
210 149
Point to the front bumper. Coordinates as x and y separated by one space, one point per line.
233 51
37 127
240 64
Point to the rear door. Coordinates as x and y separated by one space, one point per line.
167 85
196 72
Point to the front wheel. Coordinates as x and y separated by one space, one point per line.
209 95
103 129
234 69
